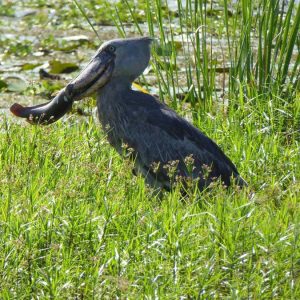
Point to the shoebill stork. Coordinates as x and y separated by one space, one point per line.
157 138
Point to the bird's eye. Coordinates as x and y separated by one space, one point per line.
111 48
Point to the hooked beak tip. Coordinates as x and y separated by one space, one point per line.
17 109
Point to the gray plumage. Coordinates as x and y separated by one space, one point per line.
161 143
155 133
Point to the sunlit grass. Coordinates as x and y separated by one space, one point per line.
76 223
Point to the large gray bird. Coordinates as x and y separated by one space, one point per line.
164 146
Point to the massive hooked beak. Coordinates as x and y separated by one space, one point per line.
94 76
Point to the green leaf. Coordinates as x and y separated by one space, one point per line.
3 84
15 84
57 67
30 66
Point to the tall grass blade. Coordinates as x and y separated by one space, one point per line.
87 18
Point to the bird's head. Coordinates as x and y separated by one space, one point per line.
120 59
131 56
124 59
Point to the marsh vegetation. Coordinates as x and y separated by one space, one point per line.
75 222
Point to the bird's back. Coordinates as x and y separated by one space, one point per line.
164 144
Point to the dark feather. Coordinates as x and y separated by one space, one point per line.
158 134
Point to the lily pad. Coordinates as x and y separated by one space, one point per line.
15 83
3 84
58 67
30 66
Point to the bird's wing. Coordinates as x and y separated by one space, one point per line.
159 135
181 130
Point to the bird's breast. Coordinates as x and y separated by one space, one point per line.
114 122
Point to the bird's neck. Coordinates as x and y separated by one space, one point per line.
110 100
115 87
112 111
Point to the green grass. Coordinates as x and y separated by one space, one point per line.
76 224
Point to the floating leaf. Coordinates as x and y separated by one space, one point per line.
3 84
30 66
15 84
57 67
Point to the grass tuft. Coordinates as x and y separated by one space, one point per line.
74 221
